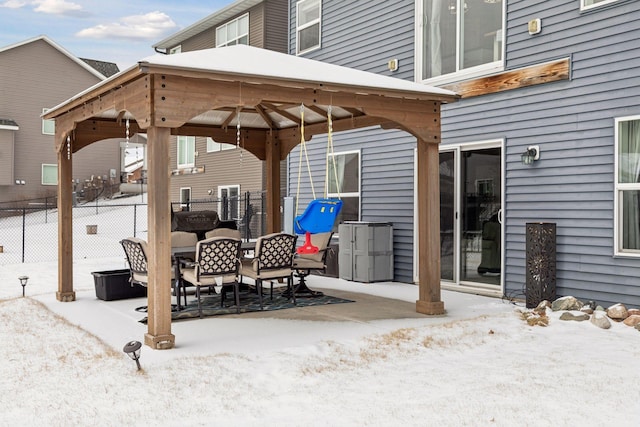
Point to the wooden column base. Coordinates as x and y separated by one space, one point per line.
431 308
66 296
160 342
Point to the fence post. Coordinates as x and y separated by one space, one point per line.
46 210
135 219
24 229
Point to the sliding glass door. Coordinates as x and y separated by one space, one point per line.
471 215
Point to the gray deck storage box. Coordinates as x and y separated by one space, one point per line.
366 251
114 284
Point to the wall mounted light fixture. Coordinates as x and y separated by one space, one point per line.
532 154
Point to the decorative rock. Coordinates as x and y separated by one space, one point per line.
600 320
599 308
566 303
632 320
590 304
542 307
587 309
633 311
618 312
577 317
638 327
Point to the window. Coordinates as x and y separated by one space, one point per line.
344 183
174 50
627 197
186 151
48 126
588 4
229 202
459 36
307 25
213 146
49 174
233 32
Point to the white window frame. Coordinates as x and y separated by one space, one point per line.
46 166
618 229
48 125
584 6
176 49
214 147
301 27
467 73
182 144
228 188
185 203
357 194
234 40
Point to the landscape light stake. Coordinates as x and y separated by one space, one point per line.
23 282
132 348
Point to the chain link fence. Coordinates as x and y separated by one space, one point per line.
29 231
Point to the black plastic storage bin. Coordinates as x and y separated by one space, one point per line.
114 284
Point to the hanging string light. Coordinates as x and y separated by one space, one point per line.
68 147
238 109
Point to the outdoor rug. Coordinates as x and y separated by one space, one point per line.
248 302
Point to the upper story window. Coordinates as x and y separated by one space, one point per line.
627 195
186 151
48 126
213 146
308 13
233 32
588 4
459 37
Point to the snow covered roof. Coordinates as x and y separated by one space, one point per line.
242 60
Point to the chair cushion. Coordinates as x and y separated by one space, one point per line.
249 268
307 264
190 276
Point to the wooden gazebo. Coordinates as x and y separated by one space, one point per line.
205 93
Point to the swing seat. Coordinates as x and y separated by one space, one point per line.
318 217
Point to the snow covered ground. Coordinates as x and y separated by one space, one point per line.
480 365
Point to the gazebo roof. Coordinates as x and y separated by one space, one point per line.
240 70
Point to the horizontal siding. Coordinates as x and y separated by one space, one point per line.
365 36
275 25
572 122
34 76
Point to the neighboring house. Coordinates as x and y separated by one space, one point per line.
35 75
202 168
559 77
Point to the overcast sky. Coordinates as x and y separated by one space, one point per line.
115 31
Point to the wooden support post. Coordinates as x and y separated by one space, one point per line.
65 291
429 229
273 148
159 334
